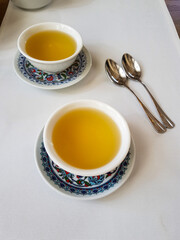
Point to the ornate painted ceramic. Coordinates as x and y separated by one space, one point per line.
38 78
71 179
82 187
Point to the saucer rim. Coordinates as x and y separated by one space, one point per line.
54 87
82 197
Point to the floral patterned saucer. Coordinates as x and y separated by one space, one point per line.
82 187
38 78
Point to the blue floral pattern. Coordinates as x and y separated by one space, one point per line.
43 78
87 185
82 181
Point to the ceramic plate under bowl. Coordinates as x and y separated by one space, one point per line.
61 181
50 81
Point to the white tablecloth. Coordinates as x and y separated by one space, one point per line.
147 205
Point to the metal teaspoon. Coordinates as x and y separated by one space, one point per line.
118 76
133 71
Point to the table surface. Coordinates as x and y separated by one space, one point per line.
3 7
174 9
147 205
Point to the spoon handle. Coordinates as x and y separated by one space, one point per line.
166 120
156 124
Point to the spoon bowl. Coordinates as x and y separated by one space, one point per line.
115 72
131 67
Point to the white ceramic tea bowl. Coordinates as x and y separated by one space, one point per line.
112 113
50 66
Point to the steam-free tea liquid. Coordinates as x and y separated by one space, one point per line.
50 45
86 138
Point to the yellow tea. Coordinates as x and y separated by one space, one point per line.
50 45
86 138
